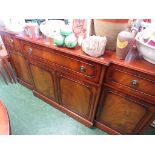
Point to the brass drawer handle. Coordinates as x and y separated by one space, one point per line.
82 69
30 50
134 83
11 40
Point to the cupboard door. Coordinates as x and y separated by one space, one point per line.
77 96
122 113
21 67
43 81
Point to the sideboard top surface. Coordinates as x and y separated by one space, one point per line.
138 64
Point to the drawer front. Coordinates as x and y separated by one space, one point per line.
132 81
82 67
12 43
9 41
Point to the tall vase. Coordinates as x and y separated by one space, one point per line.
110 28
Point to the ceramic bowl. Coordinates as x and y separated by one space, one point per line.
147 51
51 27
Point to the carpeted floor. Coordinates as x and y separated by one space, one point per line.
32 116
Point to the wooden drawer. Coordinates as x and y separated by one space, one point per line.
84 68
137 83
12 43
8 41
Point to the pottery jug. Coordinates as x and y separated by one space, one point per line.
110 28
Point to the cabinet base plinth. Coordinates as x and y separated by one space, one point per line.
24 84
106 128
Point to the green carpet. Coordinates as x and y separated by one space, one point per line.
32 116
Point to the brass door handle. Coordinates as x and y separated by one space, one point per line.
134 83
82 69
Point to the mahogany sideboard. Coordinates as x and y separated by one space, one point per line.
116 96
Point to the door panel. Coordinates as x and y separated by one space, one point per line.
21 67
43 81
76 95
122 112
